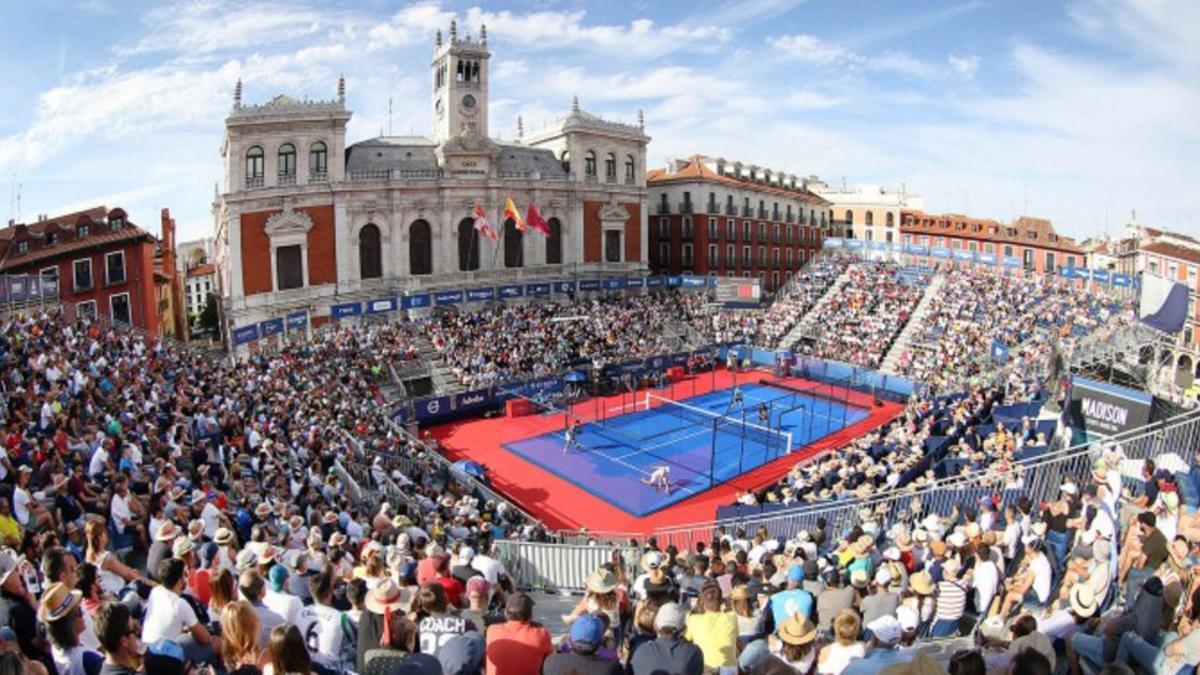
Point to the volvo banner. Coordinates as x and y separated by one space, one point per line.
1103 408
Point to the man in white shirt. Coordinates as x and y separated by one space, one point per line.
324 628
277 599
99 463
170 616
489 567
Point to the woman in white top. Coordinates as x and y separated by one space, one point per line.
113 574
749 618
834 657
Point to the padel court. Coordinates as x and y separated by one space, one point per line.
700 441
714 450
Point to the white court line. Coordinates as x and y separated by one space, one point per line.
636 469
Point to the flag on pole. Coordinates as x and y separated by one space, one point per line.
534 220
510 211
481 223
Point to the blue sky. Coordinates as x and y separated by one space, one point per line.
1080 111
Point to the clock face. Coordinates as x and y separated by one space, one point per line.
468 102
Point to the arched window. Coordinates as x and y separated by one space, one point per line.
630 173
468 245
554 242
318 161
565 158
370 254
254 166
610 167
589 163
420 248
891 220
870 218
512 245
849 217
287 160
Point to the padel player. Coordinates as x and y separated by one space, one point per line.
658 478
764 413
571 434
737 400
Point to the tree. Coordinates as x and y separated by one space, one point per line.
208 315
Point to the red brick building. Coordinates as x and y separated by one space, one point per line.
103 263
712 217
1032 241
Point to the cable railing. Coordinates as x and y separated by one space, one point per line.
1039 479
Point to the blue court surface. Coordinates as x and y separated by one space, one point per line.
703 441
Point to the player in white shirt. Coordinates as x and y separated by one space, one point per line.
659 478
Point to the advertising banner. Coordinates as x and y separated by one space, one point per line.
345 310
1104 408
480 294
415 301
245 335
448 297
564 287
297 320
380 306
271 327
511 291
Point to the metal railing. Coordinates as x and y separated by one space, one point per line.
1039 479
558 567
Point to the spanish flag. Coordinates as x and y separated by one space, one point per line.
510 211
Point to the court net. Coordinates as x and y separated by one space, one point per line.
776 442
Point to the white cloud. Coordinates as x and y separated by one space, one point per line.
409 26
509 68
198 27
964 65
555 30
812 49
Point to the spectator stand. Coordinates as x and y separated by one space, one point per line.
1040 478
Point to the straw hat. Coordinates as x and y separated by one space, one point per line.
1083 600
167 531
651 560
330 518
385 597
859 578
223 536
263 510
58 602
740 592
198 497
266 556
601 581
336 539
797 631
182 546
921 582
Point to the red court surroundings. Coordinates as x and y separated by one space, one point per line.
563 506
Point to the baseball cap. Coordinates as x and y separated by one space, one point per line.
755 653
670 615
587 629
795 574
166 657
462 654
886 629
277 577
478 587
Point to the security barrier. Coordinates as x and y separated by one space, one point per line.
553 568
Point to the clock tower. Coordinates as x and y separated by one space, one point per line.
460 85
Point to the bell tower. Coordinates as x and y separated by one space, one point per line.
460 85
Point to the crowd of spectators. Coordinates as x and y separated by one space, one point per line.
514 341
154 498
801 294
867 314
977 308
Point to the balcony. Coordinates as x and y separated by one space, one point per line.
254 182
775 215
685 207
591 178
663 209
789 217
610 178
747 212
286 179
762 214
318 177
711 207
630 180
730 210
